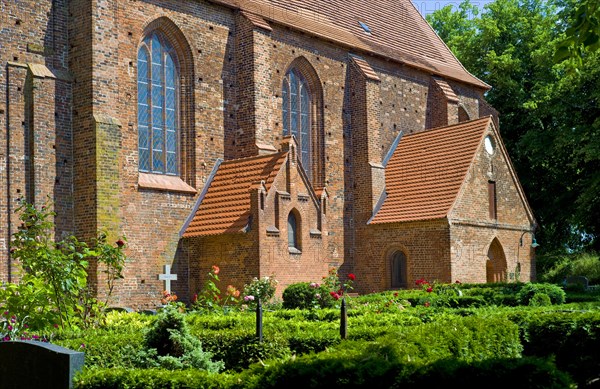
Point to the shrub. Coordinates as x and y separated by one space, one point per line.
306 295
175 347
540 300
313 343
554 292
392 360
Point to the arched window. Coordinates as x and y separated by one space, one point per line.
398 270
292 230
158 106
297 115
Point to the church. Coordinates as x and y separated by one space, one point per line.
267 137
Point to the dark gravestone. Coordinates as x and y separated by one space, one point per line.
579 281
31 365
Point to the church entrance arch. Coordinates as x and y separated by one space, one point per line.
495 266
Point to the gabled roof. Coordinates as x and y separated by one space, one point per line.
426 172
397 30
225 207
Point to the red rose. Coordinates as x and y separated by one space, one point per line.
351 276
429 290
120 243
395 294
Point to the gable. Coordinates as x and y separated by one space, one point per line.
225 208
492 172
426 171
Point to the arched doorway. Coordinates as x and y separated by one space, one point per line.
495 267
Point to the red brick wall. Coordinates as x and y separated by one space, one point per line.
425 244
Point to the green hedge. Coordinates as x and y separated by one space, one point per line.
572 338
150 379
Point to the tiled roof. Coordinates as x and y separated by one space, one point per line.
398 31
225 207
424 175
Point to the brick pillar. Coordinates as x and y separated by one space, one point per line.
369 174
14 155
253 48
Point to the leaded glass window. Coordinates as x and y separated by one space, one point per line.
296 115
158 100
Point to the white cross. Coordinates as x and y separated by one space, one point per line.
167 277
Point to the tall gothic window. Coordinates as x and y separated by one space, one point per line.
296 115
158 101
398 270
292 230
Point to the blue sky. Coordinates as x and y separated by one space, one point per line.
428 6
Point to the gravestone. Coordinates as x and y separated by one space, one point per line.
119 309
31 365
577 280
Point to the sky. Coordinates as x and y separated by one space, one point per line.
428 6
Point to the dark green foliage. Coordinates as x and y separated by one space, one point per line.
528 294
509 373
313 343
573 338
239 349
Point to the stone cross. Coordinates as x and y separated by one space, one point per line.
167 277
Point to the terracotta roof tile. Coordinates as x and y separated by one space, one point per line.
226 206
426 171
446 89
365 68
398 31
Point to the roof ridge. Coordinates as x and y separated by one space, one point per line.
254 157
460 124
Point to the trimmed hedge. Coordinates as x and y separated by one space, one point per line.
572 338
150 379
